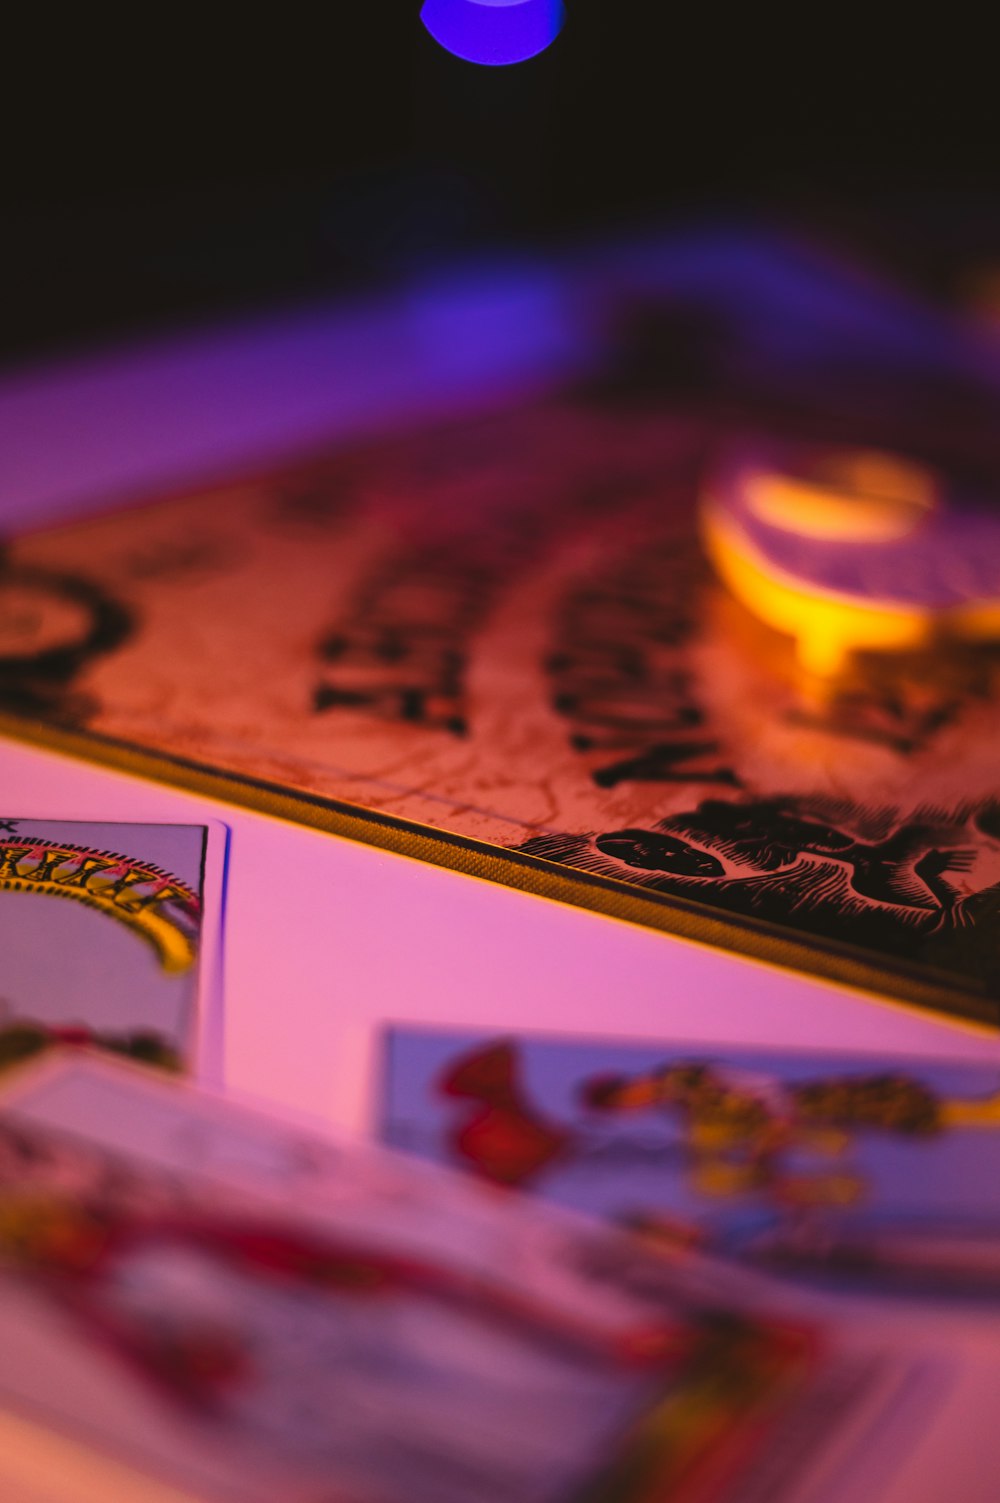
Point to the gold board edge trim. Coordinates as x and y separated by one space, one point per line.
666 913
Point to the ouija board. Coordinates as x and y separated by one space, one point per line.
497 645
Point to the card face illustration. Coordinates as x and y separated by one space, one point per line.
280 1315
499 645
862 1174
110 938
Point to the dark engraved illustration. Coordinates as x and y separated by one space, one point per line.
903 703
403 654
314 500
52 625
619 675
506 632
199 555
916 887
623 672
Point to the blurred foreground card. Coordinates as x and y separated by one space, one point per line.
496 644
854 1172
109 937
256 1313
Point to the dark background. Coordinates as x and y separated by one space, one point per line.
176 168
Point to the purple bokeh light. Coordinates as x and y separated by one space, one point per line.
494 33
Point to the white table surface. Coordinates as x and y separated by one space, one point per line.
326 939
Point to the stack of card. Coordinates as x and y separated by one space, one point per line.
199 1301
244 1311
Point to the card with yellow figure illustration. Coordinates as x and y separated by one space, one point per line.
109 939
865 1172
261 1312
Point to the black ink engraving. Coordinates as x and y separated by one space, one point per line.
920 888
903 702
314 502
620 677
51 627
183 557
402 653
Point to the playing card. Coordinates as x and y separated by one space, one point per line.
881 1174
254 1312
110 937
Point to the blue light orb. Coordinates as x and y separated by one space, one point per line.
494 32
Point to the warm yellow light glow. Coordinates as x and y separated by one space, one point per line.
827 628
865 498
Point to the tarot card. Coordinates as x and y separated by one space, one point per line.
261 1313
862 1173
110 937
